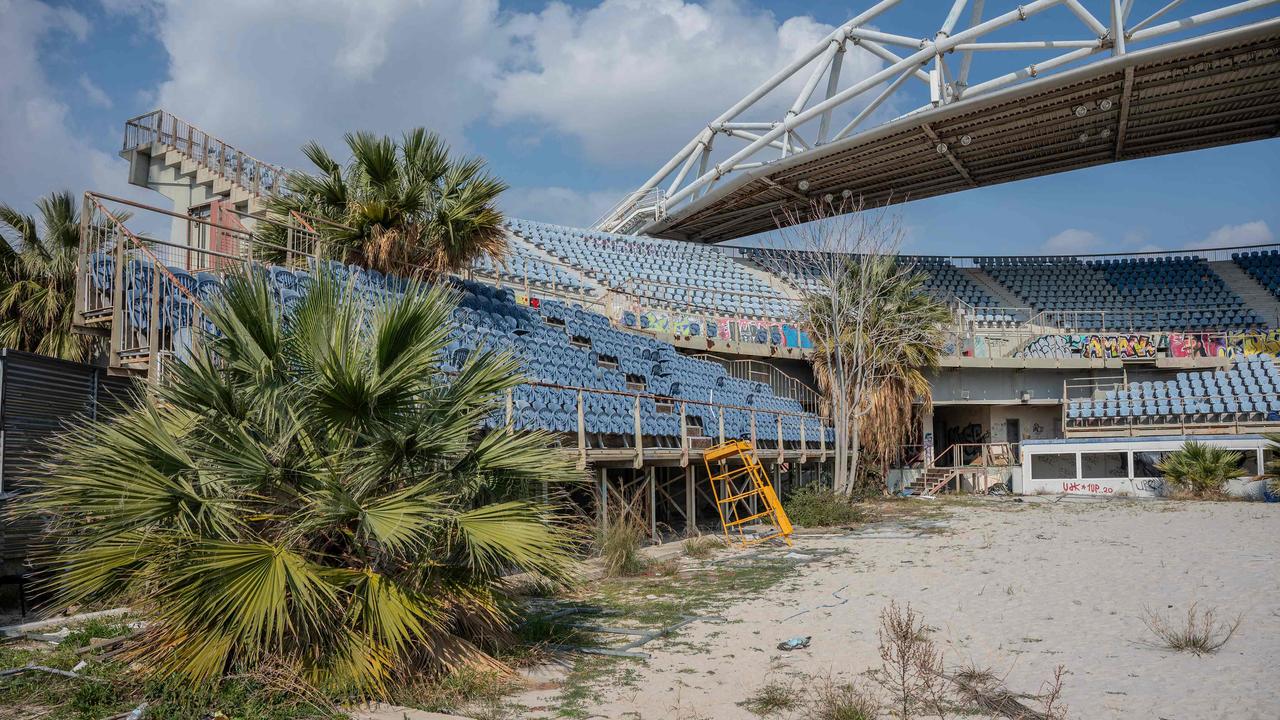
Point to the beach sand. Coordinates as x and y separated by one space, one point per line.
1019 587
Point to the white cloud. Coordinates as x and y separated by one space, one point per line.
1250 233
94 94
631 80
41 151
560 205
268 77
1072 241
634 80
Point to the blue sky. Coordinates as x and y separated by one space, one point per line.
573 103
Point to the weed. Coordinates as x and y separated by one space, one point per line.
772 698
1200 633
618 541
701 547
911 665
841 701
816 507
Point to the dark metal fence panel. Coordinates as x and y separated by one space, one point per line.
39 398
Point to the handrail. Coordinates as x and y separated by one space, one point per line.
149 329
160 126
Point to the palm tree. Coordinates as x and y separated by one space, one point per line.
409 208
891 332
1201 469
310 490
38 273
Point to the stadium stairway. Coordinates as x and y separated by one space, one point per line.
1250 291
993 288
191 167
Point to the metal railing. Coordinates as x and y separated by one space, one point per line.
1198 412
146 295
780 382
159 127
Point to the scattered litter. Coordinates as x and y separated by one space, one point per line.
52 637
835 595
922 496
797 556
798 642
79 666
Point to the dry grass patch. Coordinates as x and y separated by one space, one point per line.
701 547
1200 632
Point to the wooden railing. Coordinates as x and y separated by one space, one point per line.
159 127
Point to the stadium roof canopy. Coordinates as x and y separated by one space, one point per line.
1134 88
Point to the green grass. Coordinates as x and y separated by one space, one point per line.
772 698
110 687
812 507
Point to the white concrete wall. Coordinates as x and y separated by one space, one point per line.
1134 485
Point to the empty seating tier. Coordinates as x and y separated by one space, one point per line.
1263 266
1149 293
623 376
1247 392
943 280
661 273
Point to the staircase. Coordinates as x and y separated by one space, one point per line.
191 167
950 464
993 288
1255 296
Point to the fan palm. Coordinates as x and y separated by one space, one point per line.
407 208
1201 469
311 490
38 279
897 336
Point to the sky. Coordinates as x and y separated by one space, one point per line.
573 104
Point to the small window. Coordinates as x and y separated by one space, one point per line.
1104 465
1249 462
1053 466
1144 464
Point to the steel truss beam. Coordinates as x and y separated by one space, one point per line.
804 129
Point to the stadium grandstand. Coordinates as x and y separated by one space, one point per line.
644 343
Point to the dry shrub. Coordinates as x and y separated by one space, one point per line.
840 701
773 698
701 547
1199 633
619 542
910 664
913 673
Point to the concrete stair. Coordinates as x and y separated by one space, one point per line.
1255 296
187 168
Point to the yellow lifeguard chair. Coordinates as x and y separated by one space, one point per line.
744 494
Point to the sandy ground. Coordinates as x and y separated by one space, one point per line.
1018 587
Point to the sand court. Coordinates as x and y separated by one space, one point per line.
1017 587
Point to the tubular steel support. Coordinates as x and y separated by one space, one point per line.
762 120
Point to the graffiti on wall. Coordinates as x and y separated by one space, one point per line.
1118 347
758 332
1223 344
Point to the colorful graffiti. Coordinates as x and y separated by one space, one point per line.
1122 347
1223 344
757 332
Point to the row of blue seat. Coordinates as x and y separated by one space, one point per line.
1249 391
557 344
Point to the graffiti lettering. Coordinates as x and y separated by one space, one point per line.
1124 347
1223 345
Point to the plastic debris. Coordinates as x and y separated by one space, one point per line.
798 642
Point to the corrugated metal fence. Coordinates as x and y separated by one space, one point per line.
39 397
